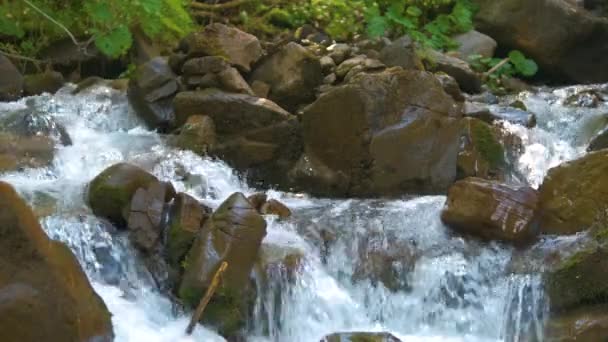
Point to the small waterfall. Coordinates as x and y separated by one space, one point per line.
336 265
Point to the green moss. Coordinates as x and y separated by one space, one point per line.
486 144
178 244
280 18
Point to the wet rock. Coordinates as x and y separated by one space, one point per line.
585 324
468 79
492 210
481 153
351 130
32 122
599 142
510 114
257 200
110 193
475 43
573 194
186 218
146 218
385 259
45 82
11 83
45 294
277 261
238 48
578 280
274 207
151 91
18 152
197 134
231 113
401 53
292 73
586 98
360 337
572 54
233 234
339 52
450 86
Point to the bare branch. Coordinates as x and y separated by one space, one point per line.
53 21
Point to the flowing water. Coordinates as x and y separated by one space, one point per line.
436 285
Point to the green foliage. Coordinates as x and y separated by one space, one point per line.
423 20
111 23
517 64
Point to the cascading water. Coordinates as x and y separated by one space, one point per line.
373 265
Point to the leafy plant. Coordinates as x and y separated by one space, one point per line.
109 23
497 69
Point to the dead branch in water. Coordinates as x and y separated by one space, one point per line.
215 282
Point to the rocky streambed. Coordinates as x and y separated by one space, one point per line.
354 193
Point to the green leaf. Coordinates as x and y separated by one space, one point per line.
377 26
115 43
523 65
413 11
151 6
10 28
100 12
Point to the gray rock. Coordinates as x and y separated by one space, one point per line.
475 43
11 82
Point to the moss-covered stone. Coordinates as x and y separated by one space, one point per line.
580 279
486 142
111 191
185 220
361 337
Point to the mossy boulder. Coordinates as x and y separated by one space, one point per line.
580 279
44 82
492 210
481 153
110 193
185 220
361 337
232 234
573 195
45 294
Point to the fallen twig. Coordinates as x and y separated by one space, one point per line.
496 67
215 282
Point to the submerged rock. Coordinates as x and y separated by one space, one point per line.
351 131
18 152
599 142
232 234
110 193
292 73
45 294
238 48
492 210
360 337
584 324
573 195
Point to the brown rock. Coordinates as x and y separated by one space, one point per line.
360 337
585 324
146 217
197 134
257 200
11 82
45 294
401 53
45 82
240 49
186 218
20 151
492 210
468 79
274 207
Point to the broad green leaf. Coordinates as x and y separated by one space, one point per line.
523 65
100 12
116 42
413 11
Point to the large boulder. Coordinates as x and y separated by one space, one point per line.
238 48
563 38
233 234
45 294
11 83
151 91
579 279
573 195
360 337
185 220
231 113
110 193
492 210
351 131
293 73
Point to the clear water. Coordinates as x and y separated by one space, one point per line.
452 289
